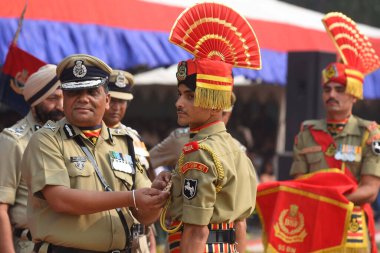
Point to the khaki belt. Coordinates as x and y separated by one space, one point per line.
50 248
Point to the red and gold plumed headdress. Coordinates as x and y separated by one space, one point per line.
219 38
358 56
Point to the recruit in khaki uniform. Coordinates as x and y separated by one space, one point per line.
214 183
167 152
95 176
120 88
343 140
13 140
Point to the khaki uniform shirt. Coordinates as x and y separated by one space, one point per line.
308 157
166 153
13 190
195 199
53 158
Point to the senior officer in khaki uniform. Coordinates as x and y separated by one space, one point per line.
81 177
214 182
45 98
342 140
120 88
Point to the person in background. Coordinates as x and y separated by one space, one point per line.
43 94
343 140
84 181
120 89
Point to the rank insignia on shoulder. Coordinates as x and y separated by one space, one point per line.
375 137
376 147
78 161
190 188
190 147
18 131
50 126
372 126
194 166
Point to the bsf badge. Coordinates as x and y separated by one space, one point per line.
78 161
181 71
190 188
120 80
376 147
79 69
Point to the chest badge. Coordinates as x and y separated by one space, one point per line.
78 161
121 163
330 151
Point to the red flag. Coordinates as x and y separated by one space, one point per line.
305 215
19 65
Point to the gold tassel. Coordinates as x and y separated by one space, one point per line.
354 87
212 99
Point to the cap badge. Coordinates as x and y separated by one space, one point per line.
120 80
331 72
79 69
182 71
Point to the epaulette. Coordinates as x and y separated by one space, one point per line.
371 126
18 130
308 123
118 131
133 133
181 132
190 147
372 131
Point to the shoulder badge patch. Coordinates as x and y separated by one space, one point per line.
376 147
190 188
190 147
194 166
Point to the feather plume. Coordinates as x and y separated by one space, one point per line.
354 48
215 31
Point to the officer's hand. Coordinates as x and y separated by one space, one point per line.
162 180
150 198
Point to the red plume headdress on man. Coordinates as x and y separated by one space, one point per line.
355 50
220 39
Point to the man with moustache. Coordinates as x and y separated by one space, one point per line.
213 184
343 140
84 181
43 94
167 152
120 89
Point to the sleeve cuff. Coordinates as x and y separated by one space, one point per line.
196 215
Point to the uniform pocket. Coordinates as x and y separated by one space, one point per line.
81 168
315 157
126 178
